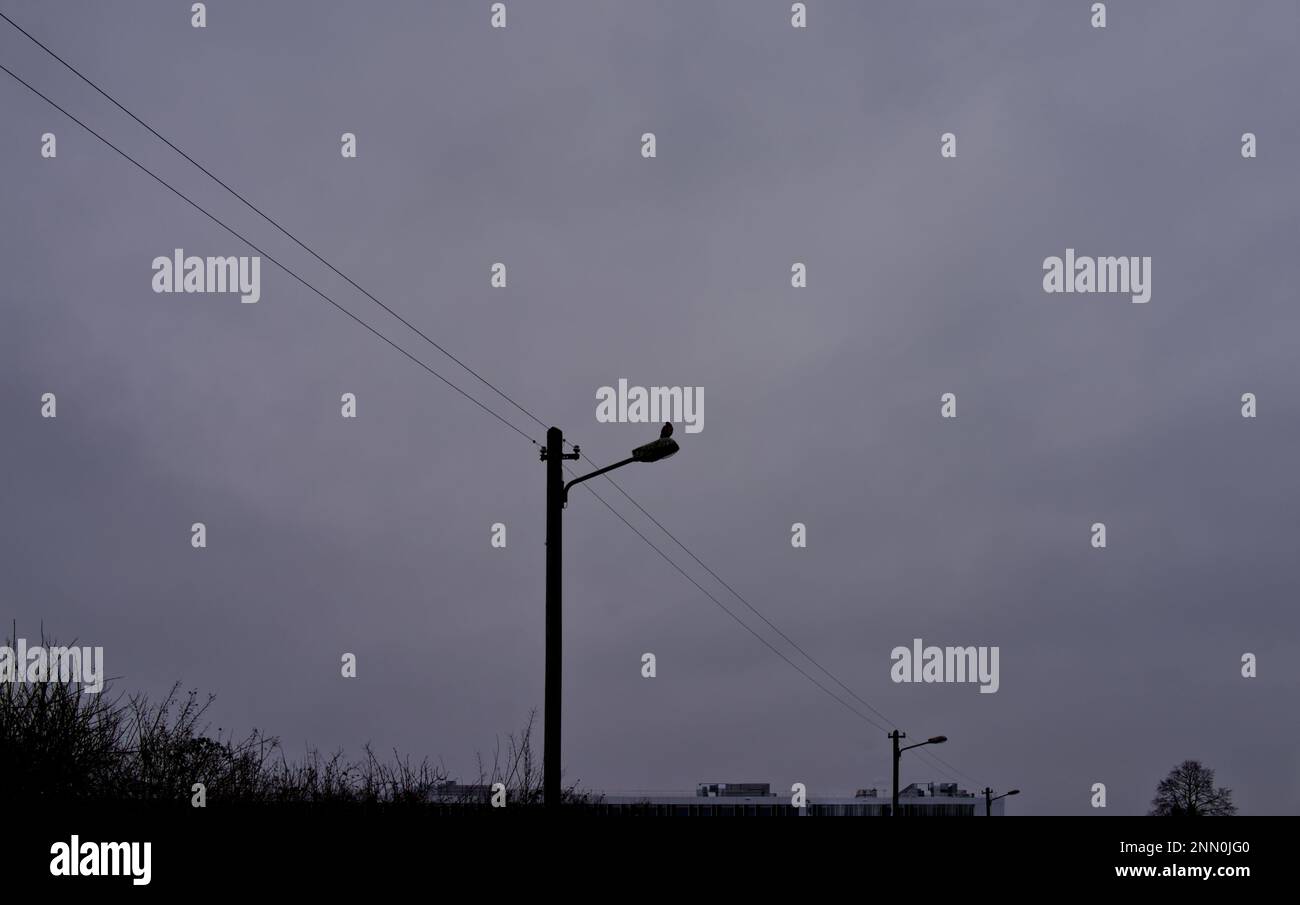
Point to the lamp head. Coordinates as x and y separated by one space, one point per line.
656 450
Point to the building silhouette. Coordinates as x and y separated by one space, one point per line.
754 799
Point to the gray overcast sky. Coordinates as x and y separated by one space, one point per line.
822 405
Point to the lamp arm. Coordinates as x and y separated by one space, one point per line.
595 474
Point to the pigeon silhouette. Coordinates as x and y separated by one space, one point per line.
666 432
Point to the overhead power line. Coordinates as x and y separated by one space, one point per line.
255 209
809 657
455 359
264 254
726 610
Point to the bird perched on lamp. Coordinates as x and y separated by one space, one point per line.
666 432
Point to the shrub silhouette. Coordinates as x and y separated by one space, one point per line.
58 743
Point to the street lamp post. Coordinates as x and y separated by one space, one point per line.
557 495
898 754
989 799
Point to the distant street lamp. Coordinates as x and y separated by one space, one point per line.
557 496
989 799
898 753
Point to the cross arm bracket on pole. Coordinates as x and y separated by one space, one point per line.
576 454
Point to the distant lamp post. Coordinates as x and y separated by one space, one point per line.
557 496
989 798
898 753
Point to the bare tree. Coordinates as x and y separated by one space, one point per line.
1189 791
